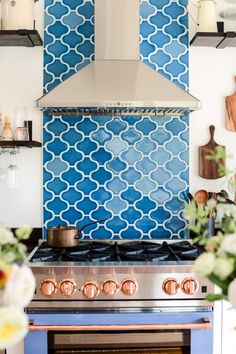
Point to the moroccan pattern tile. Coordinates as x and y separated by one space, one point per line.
132 170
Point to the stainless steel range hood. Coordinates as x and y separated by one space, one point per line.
117 82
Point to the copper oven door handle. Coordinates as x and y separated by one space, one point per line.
205 324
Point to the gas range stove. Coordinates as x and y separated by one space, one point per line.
116 273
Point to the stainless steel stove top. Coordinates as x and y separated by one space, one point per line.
117 253
111 273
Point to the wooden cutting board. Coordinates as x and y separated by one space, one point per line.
209 168
230 102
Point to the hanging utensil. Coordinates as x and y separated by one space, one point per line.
224 194
223 197
190 197
201 196
231 111
212 195
209 169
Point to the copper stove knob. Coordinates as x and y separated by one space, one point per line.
110 287
170 286
48 287
90 290
129 287
67 287
190 286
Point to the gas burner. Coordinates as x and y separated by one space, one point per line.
101 246
134 251
130 245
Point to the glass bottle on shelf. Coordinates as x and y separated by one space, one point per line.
7 131
20 131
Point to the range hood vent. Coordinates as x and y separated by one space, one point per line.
115 111
117 82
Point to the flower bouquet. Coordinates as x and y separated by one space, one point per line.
218 262
17 285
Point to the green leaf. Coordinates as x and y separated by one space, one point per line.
197 239
222 284
215 297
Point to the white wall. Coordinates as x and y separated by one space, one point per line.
212 74
21 82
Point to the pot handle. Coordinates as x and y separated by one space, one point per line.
90 223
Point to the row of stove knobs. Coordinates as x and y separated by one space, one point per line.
110 287
90 289
189 286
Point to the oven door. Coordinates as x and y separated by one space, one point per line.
120 342
119 332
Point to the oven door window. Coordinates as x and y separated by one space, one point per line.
152 342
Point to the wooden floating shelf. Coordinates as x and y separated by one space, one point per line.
219 40
20 38
19 144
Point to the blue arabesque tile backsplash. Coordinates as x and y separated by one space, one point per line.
130 169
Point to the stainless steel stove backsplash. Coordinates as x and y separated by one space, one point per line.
130 169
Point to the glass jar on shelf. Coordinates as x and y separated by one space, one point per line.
7 134
17 14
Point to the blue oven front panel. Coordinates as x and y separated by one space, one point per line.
201 339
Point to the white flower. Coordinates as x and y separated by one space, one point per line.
211 205
6 236
232 293
223 267
20 287
13 326
227 209
213 243
9 256
205 263
23 232
228 244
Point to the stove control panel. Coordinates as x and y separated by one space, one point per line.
178 286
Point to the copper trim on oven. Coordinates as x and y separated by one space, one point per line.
205 324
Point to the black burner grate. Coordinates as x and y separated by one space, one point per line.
136 251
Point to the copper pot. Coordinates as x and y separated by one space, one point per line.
64 236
